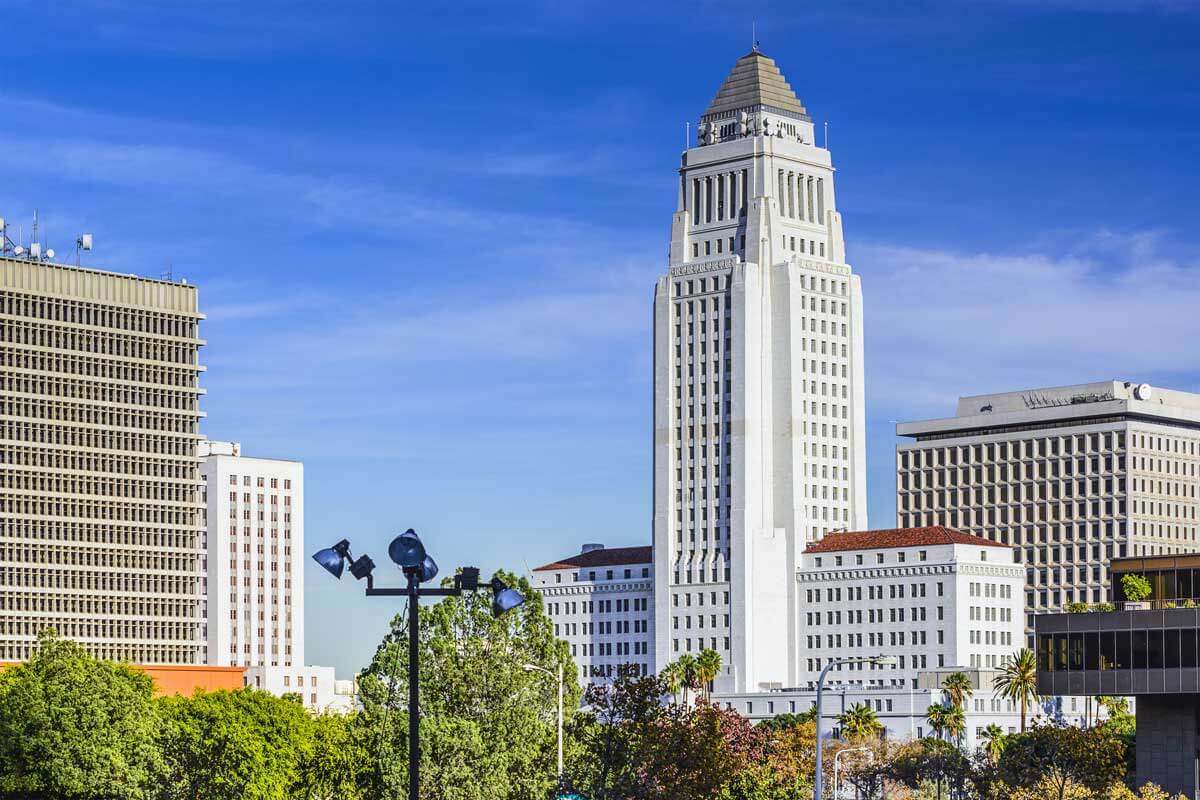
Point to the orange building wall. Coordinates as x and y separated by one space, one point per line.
185 679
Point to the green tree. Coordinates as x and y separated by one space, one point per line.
708 667
994 740
935 715
618 719
672 678
686 664
338 766
74 726
782 721
955 723
1136 587
859 722
1061 758
1017 680
488 726
957 688
228 745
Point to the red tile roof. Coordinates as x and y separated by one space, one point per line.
896 537
604 557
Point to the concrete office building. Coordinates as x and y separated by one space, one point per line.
1148 650
758 376
932 597
1070 477
100 529
601 602
254 514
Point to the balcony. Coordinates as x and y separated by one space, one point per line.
1152 651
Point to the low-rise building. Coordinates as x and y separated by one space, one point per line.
1147 649
932 597
601 602
316 687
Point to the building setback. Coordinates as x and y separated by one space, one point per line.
1070 477
100 529
254 512
601 602
758 376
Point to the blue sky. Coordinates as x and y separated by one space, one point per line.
426 239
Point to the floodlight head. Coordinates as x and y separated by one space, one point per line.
885 661
333 559
428 570
406 550
503 598
467 579
362 567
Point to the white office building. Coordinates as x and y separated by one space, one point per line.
932 597
254 514
317 687
600 602
1069 477
758 375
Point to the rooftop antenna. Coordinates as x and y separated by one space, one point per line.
82 242
827 134
753 36
687 135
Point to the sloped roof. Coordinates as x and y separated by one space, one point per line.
604 557
896 537
755 81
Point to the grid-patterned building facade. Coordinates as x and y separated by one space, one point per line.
1070 477
254 514
600 601
100 529
758 419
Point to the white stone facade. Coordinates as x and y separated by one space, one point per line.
931 597
316 687
1070 477
254 513
601 603
759 437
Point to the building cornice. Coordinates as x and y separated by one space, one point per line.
558 590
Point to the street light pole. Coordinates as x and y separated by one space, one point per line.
536 668
418 567
836 764
414 684
882 661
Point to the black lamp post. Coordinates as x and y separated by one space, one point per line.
418 567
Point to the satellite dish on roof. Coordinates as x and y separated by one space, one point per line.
1143 391
49 252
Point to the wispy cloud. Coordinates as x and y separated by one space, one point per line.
943 323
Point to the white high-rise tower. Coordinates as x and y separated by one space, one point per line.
758 379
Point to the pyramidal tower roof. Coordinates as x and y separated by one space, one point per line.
754 83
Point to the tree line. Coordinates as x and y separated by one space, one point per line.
72 726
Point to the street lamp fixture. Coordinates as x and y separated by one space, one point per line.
408 553
880 660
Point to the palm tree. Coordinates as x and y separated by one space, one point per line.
708 667
957 688
686 664
936 716
955 723
994 740
859 721
1017 680
672 679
